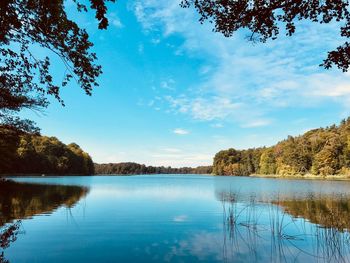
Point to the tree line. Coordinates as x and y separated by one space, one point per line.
30 153
135 168
320 152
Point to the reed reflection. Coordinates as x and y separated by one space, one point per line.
315 229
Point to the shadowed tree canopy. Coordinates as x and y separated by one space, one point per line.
265 18
25 78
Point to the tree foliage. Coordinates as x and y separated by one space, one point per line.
135 168
265 19
25 78
28 153
324 151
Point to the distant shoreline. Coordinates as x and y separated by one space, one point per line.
304 177
272 176
86 175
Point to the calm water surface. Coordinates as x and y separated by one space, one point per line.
174 218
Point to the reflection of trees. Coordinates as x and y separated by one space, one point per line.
257 228
330 216
332 211
7 235
22 200
18 200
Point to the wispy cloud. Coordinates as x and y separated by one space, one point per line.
180 131
217 125
115 21
257 123
141 48
204 108
172 150
243 82
168 84
180 218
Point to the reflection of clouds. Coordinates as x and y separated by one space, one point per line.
180 218
205 246
202 246
154 192
245 244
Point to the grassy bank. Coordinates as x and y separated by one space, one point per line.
304 176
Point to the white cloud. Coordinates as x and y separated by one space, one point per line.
115 20
168 84
172 150
140 48
248 83
180 131
181 159
180 218
257 123
204 108
217 125
155 41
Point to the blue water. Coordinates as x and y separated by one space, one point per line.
181 218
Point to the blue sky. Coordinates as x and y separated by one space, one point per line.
174 93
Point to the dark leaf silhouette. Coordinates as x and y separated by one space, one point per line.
25 78
265 19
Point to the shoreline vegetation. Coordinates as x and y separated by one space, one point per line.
336 177
131 168
31 153
268 176
322 153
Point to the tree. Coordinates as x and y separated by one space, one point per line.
265 18
9 142
28 153
25 79
323 151
268 162
326 162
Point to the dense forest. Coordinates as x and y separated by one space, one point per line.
30 153
135 168
320 152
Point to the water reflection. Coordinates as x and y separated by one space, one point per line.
8 235
178 219
23 200
278 229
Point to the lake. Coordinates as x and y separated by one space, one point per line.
174 218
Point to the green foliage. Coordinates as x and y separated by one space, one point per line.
267 162
324 151
135 168
25 77
266 19
234 162
27 153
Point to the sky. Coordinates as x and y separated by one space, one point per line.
174 93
